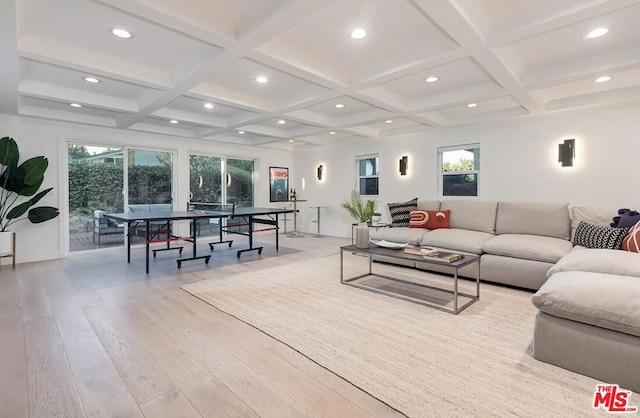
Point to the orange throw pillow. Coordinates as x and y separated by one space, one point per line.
429 219
632 240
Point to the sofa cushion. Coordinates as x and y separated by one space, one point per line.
401 234
594 260
472 214
603 300
428 205
601 217
632 240
594 236
528 247
626 218
456 239
400 212
429 219
546 219
161 207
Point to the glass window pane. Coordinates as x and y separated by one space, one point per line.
96 180
369 186
205 181
460 185
368 167
240 182
461 160
149 177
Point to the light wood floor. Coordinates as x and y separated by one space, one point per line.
93 336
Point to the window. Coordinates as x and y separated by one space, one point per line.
367 172
460 170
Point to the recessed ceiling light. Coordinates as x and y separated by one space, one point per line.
262 79
208 105
359 33
173 121
291 140
596 33
91 80
240 132
431 79
339 105
75 105
472 105
121 33
282 122
332 133
388 121
603 79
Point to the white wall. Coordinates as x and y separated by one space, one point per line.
518 163
48 138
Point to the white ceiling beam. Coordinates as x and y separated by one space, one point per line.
54 114
189 117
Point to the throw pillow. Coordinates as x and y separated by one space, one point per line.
632 240
429 219
626 218
594 236
401 212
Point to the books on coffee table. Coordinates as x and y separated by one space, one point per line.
443 256
420 250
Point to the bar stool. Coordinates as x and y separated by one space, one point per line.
317 208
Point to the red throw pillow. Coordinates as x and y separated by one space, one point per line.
429 219
632 240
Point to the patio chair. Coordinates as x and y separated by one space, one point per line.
103 226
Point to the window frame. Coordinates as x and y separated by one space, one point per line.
441 174
357 160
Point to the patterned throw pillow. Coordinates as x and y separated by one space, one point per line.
400 212
429 219
632 240
594 236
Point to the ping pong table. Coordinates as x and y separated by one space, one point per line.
250 215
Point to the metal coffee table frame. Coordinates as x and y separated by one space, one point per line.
416 259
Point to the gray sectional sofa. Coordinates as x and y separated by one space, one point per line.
588 299
518 241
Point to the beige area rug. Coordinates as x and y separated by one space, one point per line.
421 361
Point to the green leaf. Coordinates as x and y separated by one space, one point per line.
34 169
19 210
30 190
8 151
42 214
14 182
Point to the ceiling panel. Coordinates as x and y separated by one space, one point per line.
483 107
66 107
196 106
396 38
351 107
87 25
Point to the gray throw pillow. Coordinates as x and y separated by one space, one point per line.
401 212
594 236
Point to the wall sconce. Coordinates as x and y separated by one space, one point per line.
404 163
567 152
320 171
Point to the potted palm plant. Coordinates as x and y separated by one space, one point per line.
361 211
19 184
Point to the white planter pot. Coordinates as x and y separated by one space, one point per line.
6 243
362 235
375 220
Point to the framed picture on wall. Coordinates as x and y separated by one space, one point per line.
278 184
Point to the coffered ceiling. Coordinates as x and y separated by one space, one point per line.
508 57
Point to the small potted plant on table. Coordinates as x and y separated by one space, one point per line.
362 211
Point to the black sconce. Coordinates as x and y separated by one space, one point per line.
320 170
567 152
404 162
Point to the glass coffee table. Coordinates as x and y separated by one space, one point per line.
416 261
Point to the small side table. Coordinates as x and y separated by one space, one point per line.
295 233
318 235
376 226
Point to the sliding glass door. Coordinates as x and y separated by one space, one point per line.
97 185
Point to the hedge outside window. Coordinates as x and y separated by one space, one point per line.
459 170
367 174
